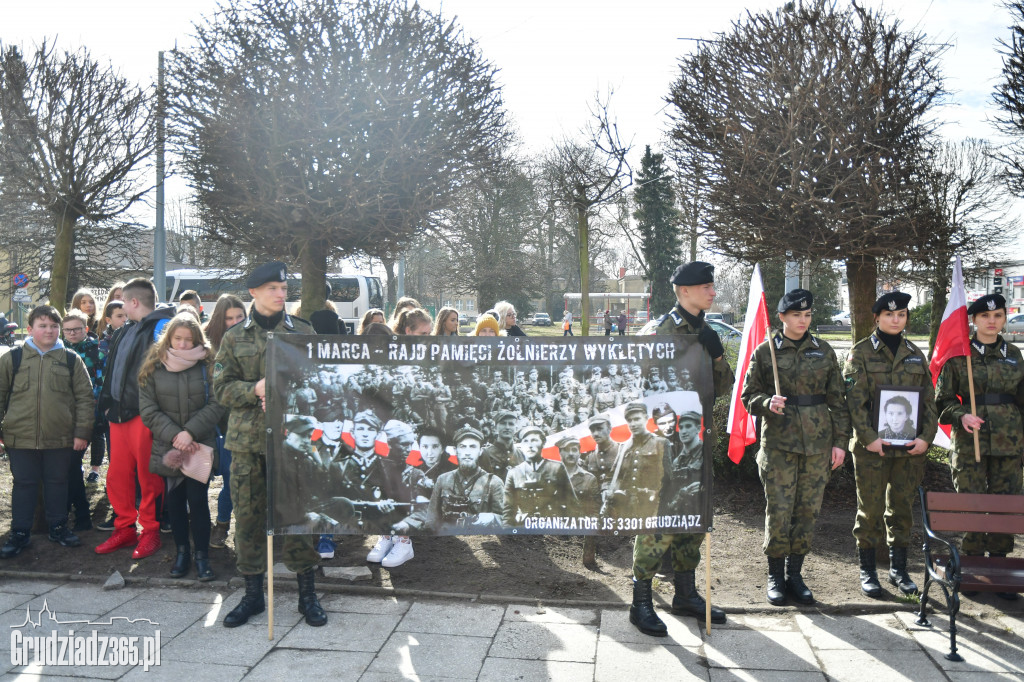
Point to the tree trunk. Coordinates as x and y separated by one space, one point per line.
862 279
313 259
60 270
939 299
392 284
583 235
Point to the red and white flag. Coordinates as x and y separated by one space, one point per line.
953 338
755 328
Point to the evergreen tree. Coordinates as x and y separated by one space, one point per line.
658 239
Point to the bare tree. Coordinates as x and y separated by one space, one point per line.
966 212
589 175
811 121
75 136
1009 97
325 128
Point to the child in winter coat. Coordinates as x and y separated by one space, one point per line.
47 413
176 403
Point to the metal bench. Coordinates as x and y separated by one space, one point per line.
954 573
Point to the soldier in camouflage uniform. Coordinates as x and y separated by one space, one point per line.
693 284
239 383
999 395
887 477
805 428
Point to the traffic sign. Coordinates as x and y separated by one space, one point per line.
21 280
21 296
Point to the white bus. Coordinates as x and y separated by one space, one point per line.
352 295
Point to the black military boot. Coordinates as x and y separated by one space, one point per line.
898 575
252 602
1008 596
203 571
795 584
777 581
869 573
641 613
181 562
309 605
688 602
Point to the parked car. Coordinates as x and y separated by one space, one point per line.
1015 325
714 316
842 318
725 331
463 320
540 320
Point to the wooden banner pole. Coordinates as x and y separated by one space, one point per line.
270 587
974 407
707 582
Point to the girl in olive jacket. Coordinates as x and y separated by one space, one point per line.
47 411
177 404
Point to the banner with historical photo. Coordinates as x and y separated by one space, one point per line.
461 435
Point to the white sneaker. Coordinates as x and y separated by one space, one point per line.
381 549
399 554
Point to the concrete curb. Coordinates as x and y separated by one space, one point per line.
287 585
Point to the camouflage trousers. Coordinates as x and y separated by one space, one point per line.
649 549
995 475
249 495
793 487
886 488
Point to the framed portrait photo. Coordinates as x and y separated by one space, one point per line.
897 414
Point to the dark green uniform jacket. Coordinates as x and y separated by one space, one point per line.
998 372
871 364
807 369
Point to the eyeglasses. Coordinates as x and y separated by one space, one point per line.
73 330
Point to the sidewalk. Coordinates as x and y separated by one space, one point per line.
378 637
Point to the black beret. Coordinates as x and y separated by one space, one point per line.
693 274
988 302
798 299
895 300
274 271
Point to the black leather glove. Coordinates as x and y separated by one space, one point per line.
708 338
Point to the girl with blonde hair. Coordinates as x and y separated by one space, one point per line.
175 391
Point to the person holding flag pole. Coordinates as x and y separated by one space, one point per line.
988 439
794 385
887 474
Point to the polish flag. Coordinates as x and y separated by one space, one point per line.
755 328
953 339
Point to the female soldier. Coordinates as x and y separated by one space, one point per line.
999 395
805 427
887 477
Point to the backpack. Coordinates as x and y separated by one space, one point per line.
15 353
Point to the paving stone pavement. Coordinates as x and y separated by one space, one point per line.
380 637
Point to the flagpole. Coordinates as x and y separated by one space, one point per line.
771 347
974 407
707 582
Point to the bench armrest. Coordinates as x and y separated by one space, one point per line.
952 572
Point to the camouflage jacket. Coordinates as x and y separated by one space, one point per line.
240 363
805 370
1001 372
871 364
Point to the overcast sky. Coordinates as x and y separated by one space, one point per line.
555 55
